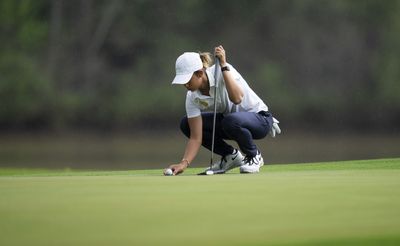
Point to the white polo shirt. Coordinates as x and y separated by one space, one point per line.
197 103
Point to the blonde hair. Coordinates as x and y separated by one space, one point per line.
206 59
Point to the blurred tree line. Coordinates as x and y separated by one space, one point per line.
67 64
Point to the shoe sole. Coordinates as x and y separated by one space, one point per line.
232 167
261 164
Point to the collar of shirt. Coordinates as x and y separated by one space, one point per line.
211 81
210 76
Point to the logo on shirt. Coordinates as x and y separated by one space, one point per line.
202 103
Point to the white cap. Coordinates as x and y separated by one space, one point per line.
186 65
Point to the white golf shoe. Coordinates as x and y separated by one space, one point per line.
228 162
252 164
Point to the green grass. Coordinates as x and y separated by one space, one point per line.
336 203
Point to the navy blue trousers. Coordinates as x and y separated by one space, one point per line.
242 127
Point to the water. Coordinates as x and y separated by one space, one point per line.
150 150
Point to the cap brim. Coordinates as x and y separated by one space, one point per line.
181 79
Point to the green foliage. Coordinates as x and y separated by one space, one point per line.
26 96
110 69
23 25
388 71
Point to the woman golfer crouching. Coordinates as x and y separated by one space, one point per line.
241 115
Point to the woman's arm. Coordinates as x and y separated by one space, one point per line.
235 93
192 146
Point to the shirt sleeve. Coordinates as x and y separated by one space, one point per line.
238 78
191 109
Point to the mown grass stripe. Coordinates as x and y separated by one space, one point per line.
393 163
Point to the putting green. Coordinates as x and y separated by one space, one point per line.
337 203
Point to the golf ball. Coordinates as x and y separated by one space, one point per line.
168 172
209 172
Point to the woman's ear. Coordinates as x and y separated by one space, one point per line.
199 73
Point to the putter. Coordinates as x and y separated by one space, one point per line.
214 120
209 172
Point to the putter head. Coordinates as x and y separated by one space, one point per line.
207 172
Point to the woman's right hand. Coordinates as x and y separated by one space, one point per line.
178 168
220 54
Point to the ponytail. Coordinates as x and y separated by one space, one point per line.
206 59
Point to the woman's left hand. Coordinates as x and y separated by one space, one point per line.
220 54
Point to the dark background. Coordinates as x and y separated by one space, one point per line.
102 69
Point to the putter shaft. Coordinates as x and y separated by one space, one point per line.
215 110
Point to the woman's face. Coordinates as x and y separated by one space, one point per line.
195 82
